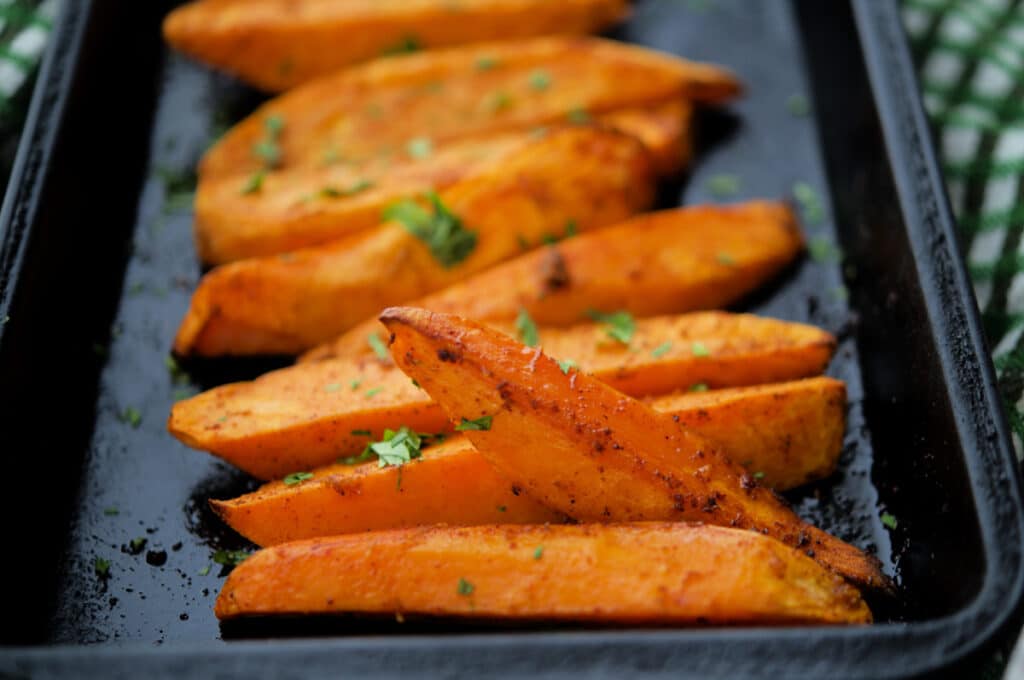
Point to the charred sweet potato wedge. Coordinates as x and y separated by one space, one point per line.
302 417
277 212
635 573
582 448
576 178
378 109
785 435
665 262
278 44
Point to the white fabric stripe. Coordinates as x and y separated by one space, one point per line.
960 145
915 20
943 67
1010 339
1010 146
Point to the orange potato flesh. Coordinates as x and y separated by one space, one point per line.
278 44
376 109
635 573
665 262
790 433
302 417
287 304
582 448
311 205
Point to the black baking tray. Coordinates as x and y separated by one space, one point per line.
96 268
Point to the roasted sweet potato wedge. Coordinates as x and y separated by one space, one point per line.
278 44
579 178
661 263
378 109
271 213
582 448
637 573
785 434
302 417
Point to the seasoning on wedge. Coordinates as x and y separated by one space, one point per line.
302 417
660 263
580 447
785 434
314 204
584 177
637 573
278 44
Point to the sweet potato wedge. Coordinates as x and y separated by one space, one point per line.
785 434
582 448
278 44
377 109
661 263
637 573
301 417
582 176
311 205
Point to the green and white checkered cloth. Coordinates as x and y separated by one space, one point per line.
970 59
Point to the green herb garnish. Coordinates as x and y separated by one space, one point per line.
723 186
500 101
758 475
699 387
137 544
362 433
101 567
798 105
230 558
441 230
578 116
464 588
131 416
397 448
204 571
889 520
699 349
254 184
620 325
354 384
538 552
366 455
332 387
482 424
526 328
811 205
420 148
111 511
267 149
406 45
566 364
661 350
486 63
356 187
540 80
297 478
373 392
502 508
823 250
726 259
378 347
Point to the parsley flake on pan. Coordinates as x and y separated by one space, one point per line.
481 424
378 347
620 325
297 478
526 329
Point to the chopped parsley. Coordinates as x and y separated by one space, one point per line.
500 101
798 105
366 455
354 384
111 511
378 347
464 588
101 567
538 553
440 229
419 148
502 508
230 558
356 187
204 571
811 205
254 184
131 416
526 328
566 364
482 424
726 259
620 326
661 350
397 448
297 478
889 520
699 387
578 116
373 392
699 349
758 475
267 149
332 387
540 80
486 63
724 185
362 433
137 544
407 45
823 250
840 293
